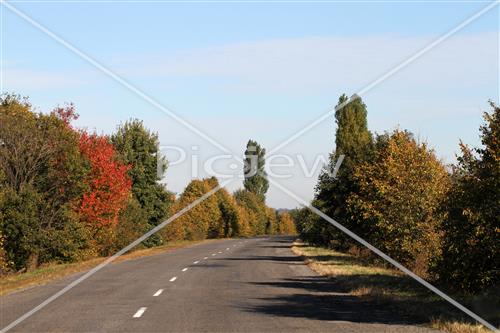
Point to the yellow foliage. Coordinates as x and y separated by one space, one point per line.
286 225
398 201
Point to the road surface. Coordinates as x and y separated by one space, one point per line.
253 285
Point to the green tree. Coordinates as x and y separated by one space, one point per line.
311 228
353 143
132 224
43 180
255 175
139 148
471 251
398 200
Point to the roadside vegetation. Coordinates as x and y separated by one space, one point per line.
68 195
357 274
441 221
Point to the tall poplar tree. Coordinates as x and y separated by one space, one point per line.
255 175
355 142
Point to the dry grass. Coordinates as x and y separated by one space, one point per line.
457 327
361 278
329 262
50 272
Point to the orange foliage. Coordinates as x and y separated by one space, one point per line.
108 183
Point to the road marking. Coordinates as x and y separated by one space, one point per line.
173 279
158 293
205 258
139 312
197 261
227 249
220 252
184 269
214 254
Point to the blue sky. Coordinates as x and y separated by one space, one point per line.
261 71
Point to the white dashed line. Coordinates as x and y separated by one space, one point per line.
214 254
173 279
220 252
184 269
196 262
139 312
205 258
227 249
158 293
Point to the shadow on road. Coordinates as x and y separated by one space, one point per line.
335 299
323 299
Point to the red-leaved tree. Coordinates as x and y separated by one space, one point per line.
108 183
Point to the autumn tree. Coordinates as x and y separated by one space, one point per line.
43 179
255 175
399 199
286 224
256 209
108 188
354 144
272 222
195 223
471 251
229 224
139 148
245 216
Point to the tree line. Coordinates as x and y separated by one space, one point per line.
67 194
441 221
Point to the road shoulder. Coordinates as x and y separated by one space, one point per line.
361 278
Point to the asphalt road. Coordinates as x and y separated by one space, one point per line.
253 285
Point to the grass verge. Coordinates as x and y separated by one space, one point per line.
361 278
50 272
